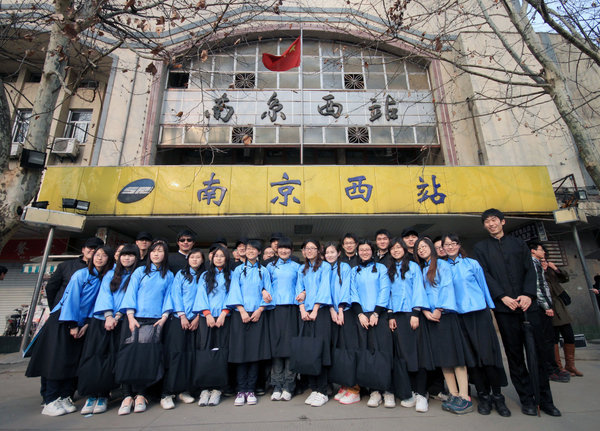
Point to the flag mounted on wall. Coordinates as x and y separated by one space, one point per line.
289 59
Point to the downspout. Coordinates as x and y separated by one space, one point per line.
129 101
471 106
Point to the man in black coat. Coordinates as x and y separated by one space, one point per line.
511 279
185 243
65 270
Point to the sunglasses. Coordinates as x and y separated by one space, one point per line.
186 240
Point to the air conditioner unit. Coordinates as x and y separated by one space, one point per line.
65 147
15 150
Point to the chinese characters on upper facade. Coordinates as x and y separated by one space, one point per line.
221 111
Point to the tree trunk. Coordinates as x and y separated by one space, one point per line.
19 186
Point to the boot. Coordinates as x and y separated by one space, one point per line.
484 407
557 357
559 374
570 360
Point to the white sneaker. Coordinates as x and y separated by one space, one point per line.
240 399
374 399
68 405
55 408
440 397
319 400
251 398
276 396
409 402
340 393
89 405
421 405
310 398
167 402
126 405
286 396
389 400
204 398
186 398
350 398
101 405
215 398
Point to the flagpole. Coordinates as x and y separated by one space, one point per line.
301 95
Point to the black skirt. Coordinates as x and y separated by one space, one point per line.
283 325
319 328
448 343
413 346
346 335
96 367
140 359
55 354
378 337
209 338
179 346
480 333
248 342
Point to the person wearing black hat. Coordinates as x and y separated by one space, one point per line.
143 240
410 237
178 260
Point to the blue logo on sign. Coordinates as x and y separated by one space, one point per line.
136 191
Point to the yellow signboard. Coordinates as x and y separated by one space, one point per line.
235 190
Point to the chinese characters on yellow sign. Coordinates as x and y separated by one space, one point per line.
235 190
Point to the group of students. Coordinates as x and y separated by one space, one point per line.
127 319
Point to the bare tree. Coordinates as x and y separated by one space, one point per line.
496 42
77 34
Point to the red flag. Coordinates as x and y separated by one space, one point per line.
280 63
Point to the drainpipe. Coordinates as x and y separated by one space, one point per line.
471 105
135 70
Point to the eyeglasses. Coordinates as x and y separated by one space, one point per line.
423 247
186 240
451 244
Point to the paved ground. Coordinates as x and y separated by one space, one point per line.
579 401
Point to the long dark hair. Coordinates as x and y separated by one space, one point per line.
107 266
318 259
164 265
454 238
405 259
338 248
211 273
187 270
120 270
363 263
433 259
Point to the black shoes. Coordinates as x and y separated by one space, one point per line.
550 410
484 405
500 405
529 409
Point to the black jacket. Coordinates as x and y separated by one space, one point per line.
508 270
352 261
55 288
177 261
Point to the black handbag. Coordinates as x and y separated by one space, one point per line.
306 354
140 359
210 365
373 367
343 364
